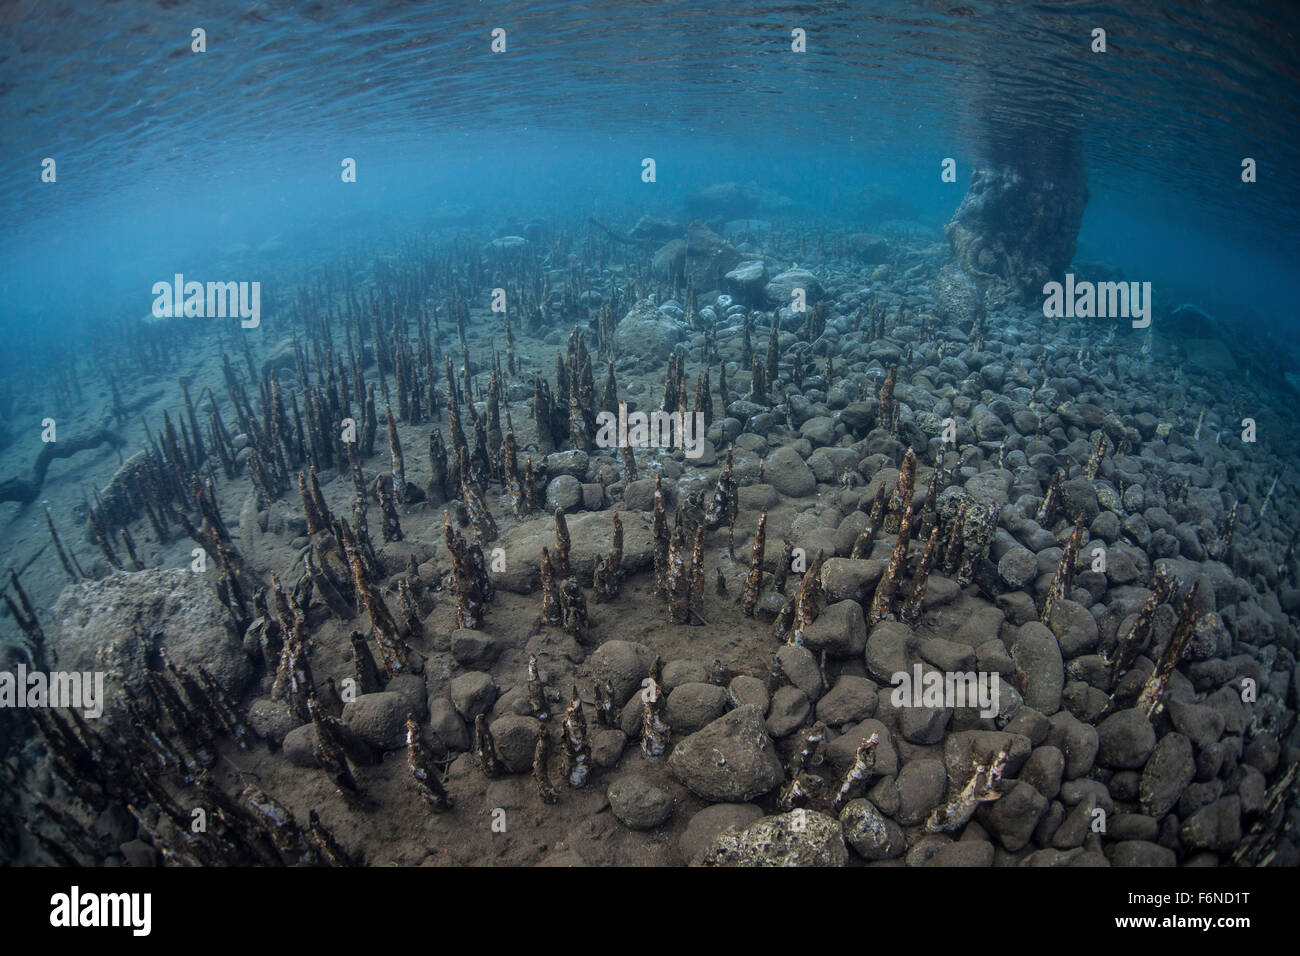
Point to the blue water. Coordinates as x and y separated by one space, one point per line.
168 160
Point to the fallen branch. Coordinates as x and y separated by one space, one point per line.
611 233
26 490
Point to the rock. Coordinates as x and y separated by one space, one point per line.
1262 753
868 248
1252 789
679 672
884 795
989 488
956 297
965 853
1075 739
1019 227
301 747
1202 725
639 495
889 646
924 725
942 590
271 719
624 664
800 666
1079 497
564 492
744 689
787 473
966 748
1210 638
138 853
693 705
858 417
413 688
872 834
948 656
1018 567
851 699
1016 605
1105 526
1032 535
754 498
573 462
1013 817
788 710
447 725
1050 822
607 747
1132 826
840 630
647 332
630 717
820 431
724 432
1075 629
798 838
116 625
1036 652
1043 770
1228 703
669 262
1133 853
590 534
516 738
474 649
732 759
747 281
1125 740
1074 792
978 622
638 804
513 701
842 750
1198 795
780 291
921 788
594 497
379 719
827 464
708 256
1031 724
850 579
473 693
1167 773
1215 827
713 820
1076 826
1025 420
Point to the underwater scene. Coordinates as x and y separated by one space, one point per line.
649 434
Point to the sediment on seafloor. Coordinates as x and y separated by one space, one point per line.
391 574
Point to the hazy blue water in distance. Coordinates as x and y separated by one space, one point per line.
168 160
